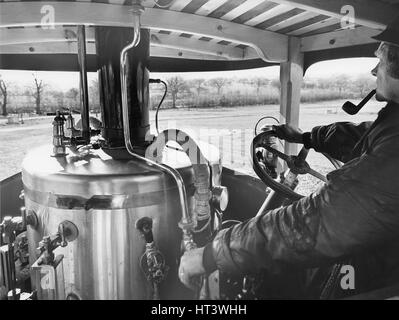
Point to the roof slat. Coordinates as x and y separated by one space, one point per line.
315 26
226 7
298 18
117 1
252 13
371 13
163 4
178 5
333 27
241 9
263 16
303 24
278 18
100 1
209 7
193 6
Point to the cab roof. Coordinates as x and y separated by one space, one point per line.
194 35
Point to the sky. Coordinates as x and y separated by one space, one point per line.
65 80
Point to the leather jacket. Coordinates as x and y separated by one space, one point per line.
355 214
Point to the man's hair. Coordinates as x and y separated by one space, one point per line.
390 53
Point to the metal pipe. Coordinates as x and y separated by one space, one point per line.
186 223
84 92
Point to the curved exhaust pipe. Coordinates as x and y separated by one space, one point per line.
186 223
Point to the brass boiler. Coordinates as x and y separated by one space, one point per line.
104 198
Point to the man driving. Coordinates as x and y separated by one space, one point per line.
355 215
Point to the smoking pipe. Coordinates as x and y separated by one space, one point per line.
352 109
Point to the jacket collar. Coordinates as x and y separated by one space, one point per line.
389 109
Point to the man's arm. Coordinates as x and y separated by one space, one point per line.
337 139
354 211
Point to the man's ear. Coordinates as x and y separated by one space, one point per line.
379 51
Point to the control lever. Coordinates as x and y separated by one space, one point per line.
152 262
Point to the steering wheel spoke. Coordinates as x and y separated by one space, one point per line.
277 153
317 175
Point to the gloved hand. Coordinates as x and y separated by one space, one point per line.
191 268
288 133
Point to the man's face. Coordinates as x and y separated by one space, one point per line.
387 87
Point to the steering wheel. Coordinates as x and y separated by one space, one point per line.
296 165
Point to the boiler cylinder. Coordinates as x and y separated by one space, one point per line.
104 198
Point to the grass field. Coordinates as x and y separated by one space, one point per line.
231 128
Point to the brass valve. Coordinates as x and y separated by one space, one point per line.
67 232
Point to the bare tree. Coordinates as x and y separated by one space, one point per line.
73 96
3 91
309 84
323 83
198 85
219 83
58 99
259 82
175 86
37 93
94 95
341 82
